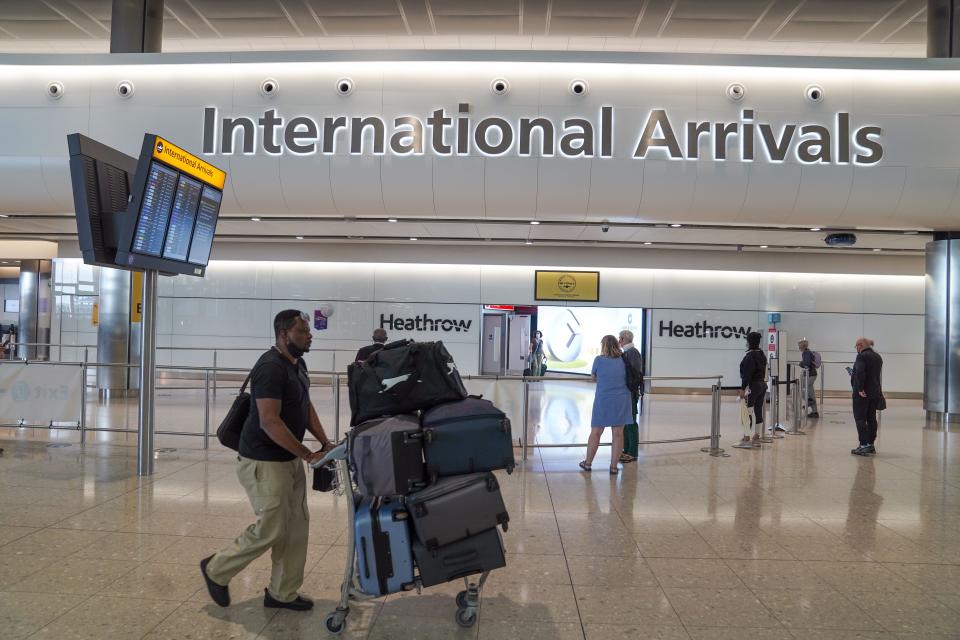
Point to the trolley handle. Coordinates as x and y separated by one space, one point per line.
339 452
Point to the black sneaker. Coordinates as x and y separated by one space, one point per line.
219 594
859 450
298 604
814 415
869 450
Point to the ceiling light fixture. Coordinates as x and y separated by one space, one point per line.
815 229
255 219
391 219
764 246
647 243
413 239
676 226
3 215
534 222
529 242
299 237
878 249
906 233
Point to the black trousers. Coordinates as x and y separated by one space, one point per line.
755 400
865 413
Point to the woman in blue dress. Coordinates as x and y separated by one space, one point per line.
611 403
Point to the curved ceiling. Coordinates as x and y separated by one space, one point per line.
798 27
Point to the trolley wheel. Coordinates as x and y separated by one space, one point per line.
335 623
462 600
466 617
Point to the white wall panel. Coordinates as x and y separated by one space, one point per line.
825 331
424 283
895 334
771 183
209 316
522 176
812 292
878 190
322 281
705 289
823 194
668 188
563 188
898 294
459 186
226 280
356 185
625 288
407 183
351 322
929 188
296 171
615 189
504 284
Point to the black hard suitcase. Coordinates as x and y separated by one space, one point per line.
452 509
467 436
402 377
386 456
476 554
384 553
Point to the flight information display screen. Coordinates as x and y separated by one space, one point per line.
176 196
181 219
155 210
206 226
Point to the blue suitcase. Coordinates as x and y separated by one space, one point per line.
467 436
384 553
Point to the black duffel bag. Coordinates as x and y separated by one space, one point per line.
403 377
228 433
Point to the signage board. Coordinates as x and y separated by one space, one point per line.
136 296
581 286
175 205
773 342
572 335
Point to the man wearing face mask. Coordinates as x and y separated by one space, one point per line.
271 471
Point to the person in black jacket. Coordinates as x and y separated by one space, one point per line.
867 395
379 339
753 382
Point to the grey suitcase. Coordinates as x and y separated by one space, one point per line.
386 456
455 508
476 554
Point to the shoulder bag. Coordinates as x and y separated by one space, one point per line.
228 433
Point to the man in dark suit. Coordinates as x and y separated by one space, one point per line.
379 339
867 395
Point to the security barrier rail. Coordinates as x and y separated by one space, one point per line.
336 381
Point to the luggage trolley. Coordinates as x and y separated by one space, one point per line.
468 600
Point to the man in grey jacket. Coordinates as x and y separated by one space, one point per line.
810 361
634 361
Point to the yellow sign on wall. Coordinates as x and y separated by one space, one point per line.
583 286
136 297
186 162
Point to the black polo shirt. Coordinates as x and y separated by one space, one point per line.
273 376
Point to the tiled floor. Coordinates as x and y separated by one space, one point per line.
800 540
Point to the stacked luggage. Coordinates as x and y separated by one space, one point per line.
421 453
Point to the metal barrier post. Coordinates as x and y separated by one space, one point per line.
526 418
797 409
335 386
822 376
214 375
83 399
775 427
714 448
206 409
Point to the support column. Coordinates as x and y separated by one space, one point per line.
943 28
35 309
136 26
113 331
941 353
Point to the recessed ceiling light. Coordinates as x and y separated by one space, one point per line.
255 219
529 242
299 237
413 239
906 233
675 226
391 219
534 222
764 246
815 229
878 249
3 262
3 215
647 243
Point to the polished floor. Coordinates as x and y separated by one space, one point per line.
798 540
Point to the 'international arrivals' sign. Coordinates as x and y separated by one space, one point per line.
747 139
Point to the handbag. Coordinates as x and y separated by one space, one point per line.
325 478
882 403
228 433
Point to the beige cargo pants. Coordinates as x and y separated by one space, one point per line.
277 491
